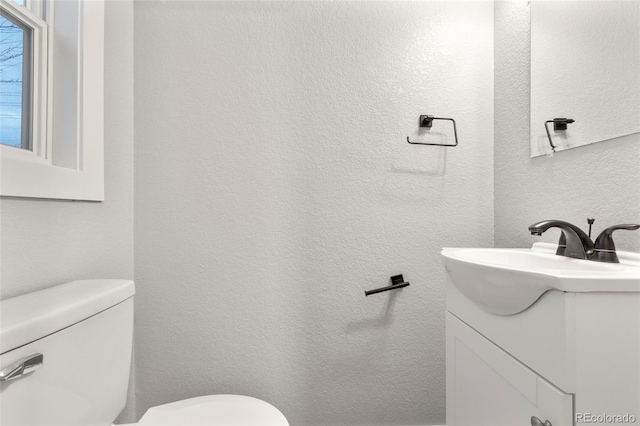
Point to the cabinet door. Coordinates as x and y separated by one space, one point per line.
487 386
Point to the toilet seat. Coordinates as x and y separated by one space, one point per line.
215 410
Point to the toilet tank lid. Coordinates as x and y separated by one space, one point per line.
32 316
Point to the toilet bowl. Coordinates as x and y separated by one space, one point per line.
215 410
65 355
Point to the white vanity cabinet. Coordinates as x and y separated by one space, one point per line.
570 358
487 386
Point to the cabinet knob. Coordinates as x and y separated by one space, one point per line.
537 422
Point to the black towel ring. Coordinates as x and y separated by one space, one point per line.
427 121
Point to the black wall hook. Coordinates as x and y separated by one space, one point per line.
427 121
397 281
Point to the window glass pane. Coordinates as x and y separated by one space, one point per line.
14 88
20 2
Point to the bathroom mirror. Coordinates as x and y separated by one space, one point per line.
584 66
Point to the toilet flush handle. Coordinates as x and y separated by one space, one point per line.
24 366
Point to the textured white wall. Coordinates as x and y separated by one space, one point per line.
274 185
48 242
600 180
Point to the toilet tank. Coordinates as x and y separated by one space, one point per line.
83 329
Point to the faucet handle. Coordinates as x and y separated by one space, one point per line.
604 248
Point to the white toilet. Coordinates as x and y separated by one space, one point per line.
65 354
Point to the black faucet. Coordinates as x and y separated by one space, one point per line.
573 240
604 249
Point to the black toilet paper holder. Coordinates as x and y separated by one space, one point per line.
397 281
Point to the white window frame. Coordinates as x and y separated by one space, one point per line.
39 77
33 174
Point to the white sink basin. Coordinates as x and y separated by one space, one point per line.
507 281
